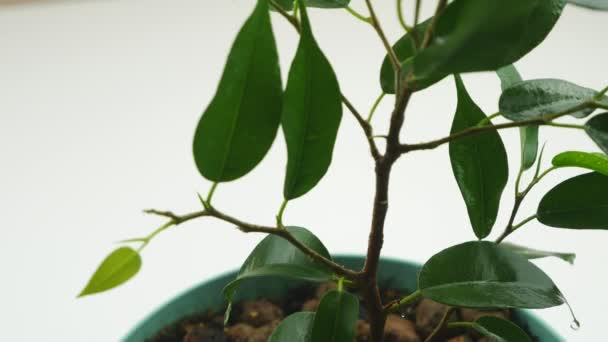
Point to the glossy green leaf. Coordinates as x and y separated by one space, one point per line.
296 327
284 4
597 130
479 164
528 136
117 268
577 203
481 274
311 115
483 35
593 161
537 98
601 5
336 317
275 256
404 50
500 330
239 126
530 253
288 4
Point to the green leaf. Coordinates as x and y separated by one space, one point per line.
284 4
597 130
336 317
117 268
404 50
275 256
536 98
296 327
241 122
483 35
528 136
577 203
601 5
311 115
500 330
479 164
288 4
530 253
593 161
327 3
480 274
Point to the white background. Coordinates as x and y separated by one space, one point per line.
98 104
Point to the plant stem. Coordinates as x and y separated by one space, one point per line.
519 197
367 128
442 323
545 120
460 325
488 119
358 15
401 18
245 227
563 125
428 35
280 214
292 19
211 192
383 169
417 12
375 106
387 45
517 226
405 301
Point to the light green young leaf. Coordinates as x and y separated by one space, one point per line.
577 203
597 130
296 327
593 161
241 122
536 98
481 274
500 330
311 115
117 268
509 76
601 5
530 253
479 164
336 317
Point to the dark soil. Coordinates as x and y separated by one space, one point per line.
255 320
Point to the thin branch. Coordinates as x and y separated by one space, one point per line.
253 228
290 18
387 45
417 12
358 15
397 305
367 128
430 31
442 323
405 148
401 18
374 107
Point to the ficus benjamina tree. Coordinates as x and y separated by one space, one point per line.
240 124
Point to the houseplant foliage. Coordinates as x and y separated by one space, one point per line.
251 104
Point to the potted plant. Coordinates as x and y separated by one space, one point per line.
241 123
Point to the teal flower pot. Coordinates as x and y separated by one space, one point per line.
208 295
